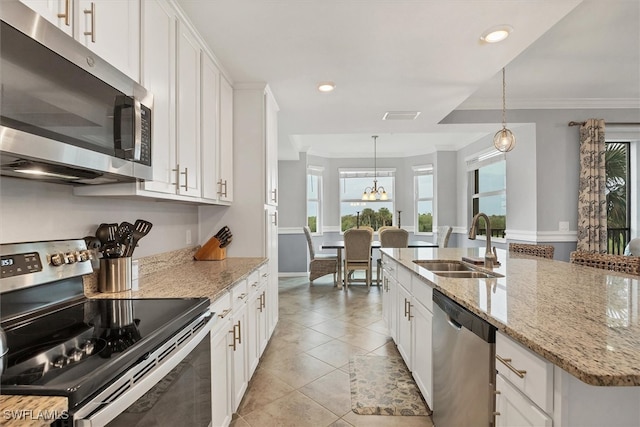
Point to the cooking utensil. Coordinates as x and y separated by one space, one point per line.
124 236
140 229
226 242
112 249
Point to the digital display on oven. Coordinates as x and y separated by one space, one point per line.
16 265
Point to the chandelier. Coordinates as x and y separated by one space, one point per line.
504 140
375 192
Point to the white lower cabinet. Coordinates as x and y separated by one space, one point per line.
221 366
513 409
403 340
238 338
422 365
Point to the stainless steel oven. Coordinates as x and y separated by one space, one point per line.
65 113
119 362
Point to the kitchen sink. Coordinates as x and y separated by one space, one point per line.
444 265
455 269
466 274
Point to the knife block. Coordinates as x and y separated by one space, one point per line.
211 251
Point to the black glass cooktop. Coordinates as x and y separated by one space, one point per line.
79 349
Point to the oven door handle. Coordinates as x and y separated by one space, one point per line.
88 416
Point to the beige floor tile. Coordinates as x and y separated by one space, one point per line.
306 318
335 328
292 410
333 391
379 326
263 389
365 338
341 423
335 352
389 349
238 422
300 369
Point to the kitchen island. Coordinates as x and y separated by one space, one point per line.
582 320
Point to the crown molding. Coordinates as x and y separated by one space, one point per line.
550 104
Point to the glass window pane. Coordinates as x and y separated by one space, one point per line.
425 216
312 187
374 214
496 208
492 177
425 186
312 216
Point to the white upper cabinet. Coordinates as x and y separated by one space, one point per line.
159 24
217 133
188 112
110 28
225 160
271 146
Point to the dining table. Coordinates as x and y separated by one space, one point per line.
338 245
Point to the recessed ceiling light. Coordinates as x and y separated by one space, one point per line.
401 115
496 34
326 86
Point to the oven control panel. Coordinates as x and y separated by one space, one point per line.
33 263
15 265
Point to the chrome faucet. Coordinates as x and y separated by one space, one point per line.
489 257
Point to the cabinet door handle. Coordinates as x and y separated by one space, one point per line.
233 331
274 195
66 14
239 333
275 218
222 184
406 310
242 295
507 362
91 12
409 315
186 178
264 299
224 313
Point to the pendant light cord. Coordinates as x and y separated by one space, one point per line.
504 102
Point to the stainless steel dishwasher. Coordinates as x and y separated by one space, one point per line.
464 373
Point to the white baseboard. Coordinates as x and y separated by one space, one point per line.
293 274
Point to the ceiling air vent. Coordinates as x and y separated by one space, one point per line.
400 115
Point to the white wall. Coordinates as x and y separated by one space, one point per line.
32 210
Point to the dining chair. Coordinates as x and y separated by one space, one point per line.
391 238
320 265
444 232
357 254
543 251
366 227
618 263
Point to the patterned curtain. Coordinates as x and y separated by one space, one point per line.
592 200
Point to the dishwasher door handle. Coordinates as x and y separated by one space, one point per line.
453 323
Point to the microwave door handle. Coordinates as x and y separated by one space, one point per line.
137 140
127 130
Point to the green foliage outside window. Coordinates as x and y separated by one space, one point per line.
312 223
368 217
425 222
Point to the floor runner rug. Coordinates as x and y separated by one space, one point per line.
382 385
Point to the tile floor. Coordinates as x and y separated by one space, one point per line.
303 376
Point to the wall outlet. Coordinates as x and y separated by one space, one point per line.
188 239
563 226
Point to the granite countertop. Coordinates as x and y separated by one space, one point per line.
170 275
582 319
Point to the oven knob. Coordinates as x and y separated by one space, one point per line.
88 347
75 355
69 258
84 255
59 362
57 259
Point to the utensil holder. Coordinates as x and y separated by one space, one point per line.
115 274
211 251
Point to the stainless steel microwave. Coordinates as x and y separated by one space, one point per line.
66 115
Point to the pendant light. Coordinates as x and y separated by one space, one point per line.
504 140
375 192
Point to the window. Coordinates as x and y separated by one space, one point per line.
423 184
355 211
617 162
488 176
314 198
